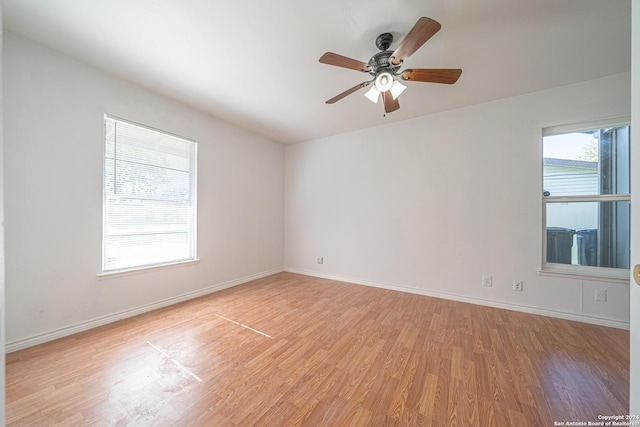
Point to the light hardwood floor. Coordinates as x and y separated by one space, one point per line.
292 350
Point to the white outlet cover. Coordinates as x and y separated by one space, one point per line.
601 295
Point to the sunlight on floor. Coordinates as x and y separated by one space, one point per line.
175 362
244 326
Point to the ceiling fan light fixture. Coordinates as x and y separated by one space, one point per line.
396 89
384 81
373 94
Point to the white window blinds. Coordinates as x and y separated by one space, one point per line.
149 197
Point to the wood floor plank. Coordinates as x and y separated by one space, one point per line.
301 351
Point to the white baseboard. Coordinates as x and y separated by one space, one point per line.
619 324
100 321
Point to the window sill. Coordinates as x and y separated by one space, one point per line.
604 276
140 270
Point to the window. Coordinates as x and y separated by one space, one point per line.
586 198
149 208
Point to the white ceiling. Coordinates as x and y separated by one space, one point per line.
254 63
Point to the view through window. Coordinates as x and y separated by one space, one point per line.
586 197
149 197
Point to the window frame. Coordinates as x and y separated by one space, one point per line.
571 270
193 234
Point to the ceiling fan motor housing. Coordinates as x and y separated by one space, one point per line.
380 62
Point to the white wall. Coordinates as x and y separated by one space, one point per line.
54 110
634 407
430 204
2 281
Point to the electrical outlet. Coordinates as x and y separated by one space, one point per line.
601 295
518 285
487 280
320 260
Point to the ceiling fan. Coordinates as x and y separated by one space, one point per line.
385 66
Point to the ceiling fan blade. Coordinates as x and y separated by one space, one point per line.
422 31
390 104
432 75
348 92
331 58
